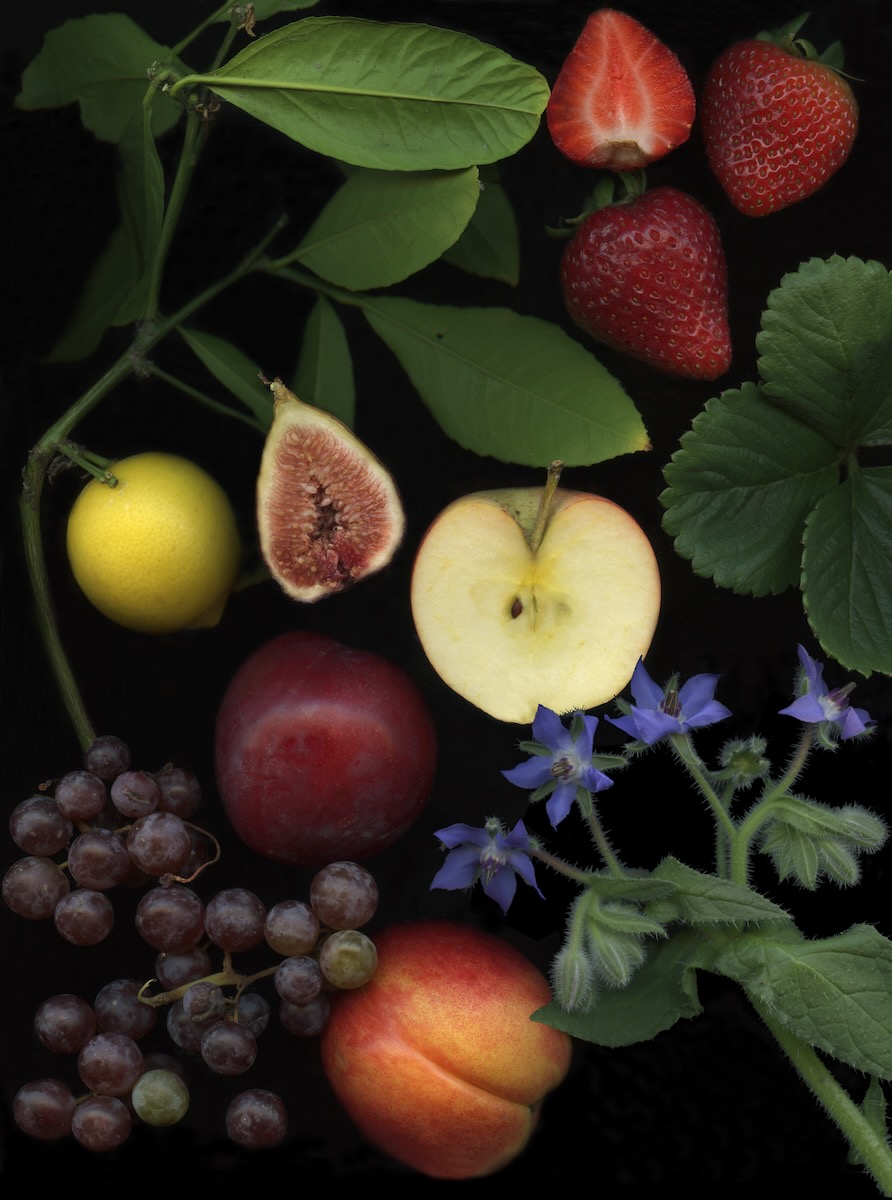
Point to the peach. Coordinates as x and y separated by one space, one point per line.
436 1059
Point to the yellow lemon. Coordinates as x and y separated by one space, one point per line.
160 552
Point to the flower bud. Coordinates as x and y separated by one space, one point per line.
573 979
868 831
616 956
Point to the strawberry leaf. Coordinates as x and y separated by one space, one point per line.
741 486
848 552
766 489
825 350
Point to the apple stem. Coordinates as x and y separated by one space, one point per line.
551 482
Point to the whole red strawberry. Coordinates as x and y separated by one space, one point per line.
777 122
648 277
621 99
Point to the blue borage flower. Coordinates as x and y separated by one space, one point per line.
817 704
488 854
659 712
561 763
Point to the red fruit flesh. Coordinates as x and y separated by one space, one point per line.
622 99
649 278
323 752
776 126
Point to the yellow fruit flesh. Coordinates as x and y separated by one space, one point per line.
509 629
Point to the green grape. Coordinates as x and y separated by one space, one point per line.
160 1097
348 958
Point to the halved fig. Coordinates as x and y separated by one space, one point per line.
328 512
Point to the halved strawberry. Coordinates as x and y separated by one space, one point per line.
778 120
622 99
647 276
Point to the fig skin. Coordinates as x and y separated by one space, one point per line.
328 511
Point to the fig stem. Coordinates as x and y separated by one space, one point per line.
546 500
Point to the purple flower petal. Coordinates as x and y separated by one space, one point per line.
524 868
560 802
501 887
532 773
696 693
658 712
490 856
549 730
817 705
647 694
456 835
460 869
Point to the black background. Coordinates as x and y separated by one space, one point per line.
710 1103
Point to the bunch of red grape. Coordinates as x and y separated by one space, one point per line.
115 825
213 1012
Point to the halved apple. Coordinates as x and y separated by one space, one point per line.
520 602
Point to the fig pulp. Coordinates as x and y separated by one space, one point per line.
328 512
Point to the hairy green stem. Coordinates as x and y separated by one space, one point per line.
561 867
871 1147
602 842
726 830
748 826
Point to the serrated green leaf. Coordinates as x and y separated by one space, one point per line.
834 993
660 993
490 244
699 899
382 226
740 489
847 571
231 367
826 349
510 386
100 62
324 376
392 96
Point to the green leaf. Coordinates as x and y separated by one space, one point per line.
833 993
660 993
741 486
382 226
757 498
826 349
116 289
100 62
699 899
847 571
490 244
324 376
237 373
393 96
642 888
510 386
